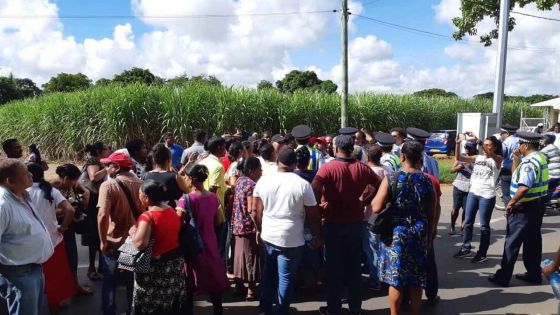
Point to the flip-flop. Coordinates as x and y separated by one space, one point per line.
94 275
84 290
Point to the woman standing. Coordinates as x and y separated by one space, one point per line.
402 263
461 185
59 279
95 174
482 195
247 259
162 289
206 274
174 184
78 196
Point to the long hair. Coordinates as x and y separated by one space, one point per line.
38 174
33 149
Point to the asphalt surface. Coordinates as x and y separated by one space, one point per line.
463 289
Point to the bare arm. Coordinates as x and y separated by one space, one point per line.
547 270
258 210
314 216
141 237
317 190
457 166
521 191
103 226
462 158
68 215
96 173
382 197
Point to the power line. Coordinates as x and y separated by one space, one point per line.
443 36
370 3
536 16
184 16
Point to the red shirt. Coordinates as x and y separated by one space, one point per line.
435 182
344 181
165 230
225 162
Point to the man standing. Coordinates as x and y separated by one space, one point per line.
24 243
13 149
552 154
510 143
341 183
359 141
282 203
119 208
197 147
399 135
175 149
389 159
525 212
278 142
302 134
430 164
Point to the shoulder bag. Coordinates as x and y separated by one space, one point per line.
190 240
383 224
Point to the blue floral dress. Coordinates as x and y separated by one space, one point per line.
403 262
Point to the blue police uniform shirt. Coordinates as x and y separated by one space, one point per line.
527 172
430 166
508 146
176 154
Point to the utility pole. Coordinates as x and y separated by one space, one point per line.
344 97
498 103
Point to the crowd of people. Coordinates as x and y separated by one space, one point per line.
263 215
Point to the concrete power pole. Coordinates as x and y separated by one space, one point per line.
498 103
344 97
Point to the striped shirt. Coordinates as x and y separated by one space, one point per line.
552 154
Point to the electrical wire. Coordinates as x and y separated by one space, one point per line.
536 16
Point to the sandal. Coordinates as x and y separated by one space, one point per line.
94 275
83 291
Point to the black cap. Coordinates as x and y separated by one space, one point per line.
287 156
509 128
344 143
470 145
529 137
384 139
301 132
349 131
417 134
278 138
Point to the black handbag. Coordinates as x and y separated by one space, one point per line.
190 240
383 223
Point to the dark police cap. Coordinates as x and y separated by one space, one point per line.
278 138
417 134
349 131
301 132
509 128
529 137
384 139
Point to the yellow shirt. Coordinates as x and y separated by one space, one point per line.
216 177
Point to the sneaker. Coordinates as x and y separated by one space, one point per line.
478 258
462 253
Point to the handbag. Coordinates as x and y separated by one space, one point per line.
133 259
383 223
190 240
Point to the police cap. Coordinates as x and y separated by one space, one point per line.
301 132
417 134
509 128
529 137
278 138
349 131
384 139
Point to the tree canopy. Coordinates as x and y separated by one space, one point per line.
532 99
264 85
474 11
65 82
138 75
434 93
304 80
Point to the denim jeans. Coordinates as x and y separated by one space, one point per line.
343 243
370 247
111 278
23 288
279 278
505 183
484 207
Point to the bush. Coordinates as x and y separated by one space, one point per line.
63 123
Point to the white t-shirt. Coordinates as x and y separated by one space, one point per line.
484 176
47 210
268 168
284 196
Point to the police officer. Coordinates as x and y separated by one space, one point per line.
302 134
510 142
351 131
525 211
430 164
389 159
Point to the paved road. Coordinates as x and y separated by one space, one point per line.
464 288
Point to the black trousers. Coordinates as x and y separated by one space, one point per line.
432 282
523 229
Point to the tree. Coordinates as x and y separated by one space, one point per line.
304 80
487 95
434 93
474 11
103 82
138 75
179 80
205 79
27 88
8 90
265 85
65 82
